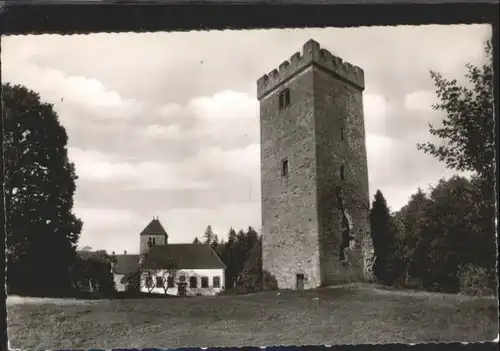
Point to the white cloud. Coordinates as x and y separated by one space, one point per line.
54 86
97 166
92 165
375 112
105 217
159 131
226 115
243 162
170 110
197 172
420 100
227 105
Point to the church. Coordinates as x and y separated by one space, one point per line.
174 269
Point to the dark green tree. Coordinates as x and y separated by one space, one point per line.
448 235
228 257
383 238
250 277
94 268
209 235
409 218
196 240
42 231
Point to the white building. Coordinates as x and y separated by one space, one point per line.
175 269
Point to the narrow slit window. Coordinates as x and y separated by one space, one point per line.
342 134
284 167
342 172
154 241
284 98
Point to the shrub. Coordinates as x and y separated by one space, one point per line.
269 281
475 281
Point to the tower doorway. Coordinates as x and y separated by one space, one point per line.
299 285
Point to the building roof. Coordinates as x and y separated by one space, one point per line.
184 256
126 264
154 228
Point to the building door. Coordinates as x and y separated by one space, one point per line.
300 282
181 289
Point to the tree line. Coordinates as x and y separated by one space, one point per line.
242 255
444 239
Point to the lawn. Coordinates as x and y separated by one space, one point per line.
341 315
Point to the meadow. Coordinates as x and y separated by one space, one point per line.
348 314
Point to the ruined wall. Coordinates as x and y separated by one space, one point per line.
340 141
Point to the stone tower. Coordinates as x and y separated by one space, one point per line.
313 149
154 234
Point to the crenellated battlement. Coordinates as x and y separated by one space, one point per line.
312 53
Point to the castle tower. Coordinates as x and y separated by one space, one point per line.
312 146
154 234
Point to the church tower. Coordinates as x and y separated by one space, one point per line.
154 234
314 171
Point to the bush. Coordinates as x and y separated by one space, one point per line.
475 281
269 281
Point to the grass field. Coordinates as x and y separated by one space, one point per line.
341 315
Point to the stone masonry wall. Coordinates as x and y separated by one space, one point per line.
340 141
289 221
300 217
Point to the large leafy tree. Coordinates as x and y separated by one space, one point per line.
467 130
450 235
409 222
467 140
93 269
42 231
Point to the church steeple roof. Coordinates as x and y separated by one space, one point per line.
154 228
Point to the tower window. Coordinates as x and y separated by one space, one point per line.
342 173
284 167
342 134
284 98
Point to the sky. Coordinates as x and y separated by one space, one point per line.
167 124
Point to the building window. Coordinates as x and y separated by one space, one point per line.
204 282
342 173
284 167
216 282
284 98
149 281
159 282
182 278
170 282
193 282
342 134
154 241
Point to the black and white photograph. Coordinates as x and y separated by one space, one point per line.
260 187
